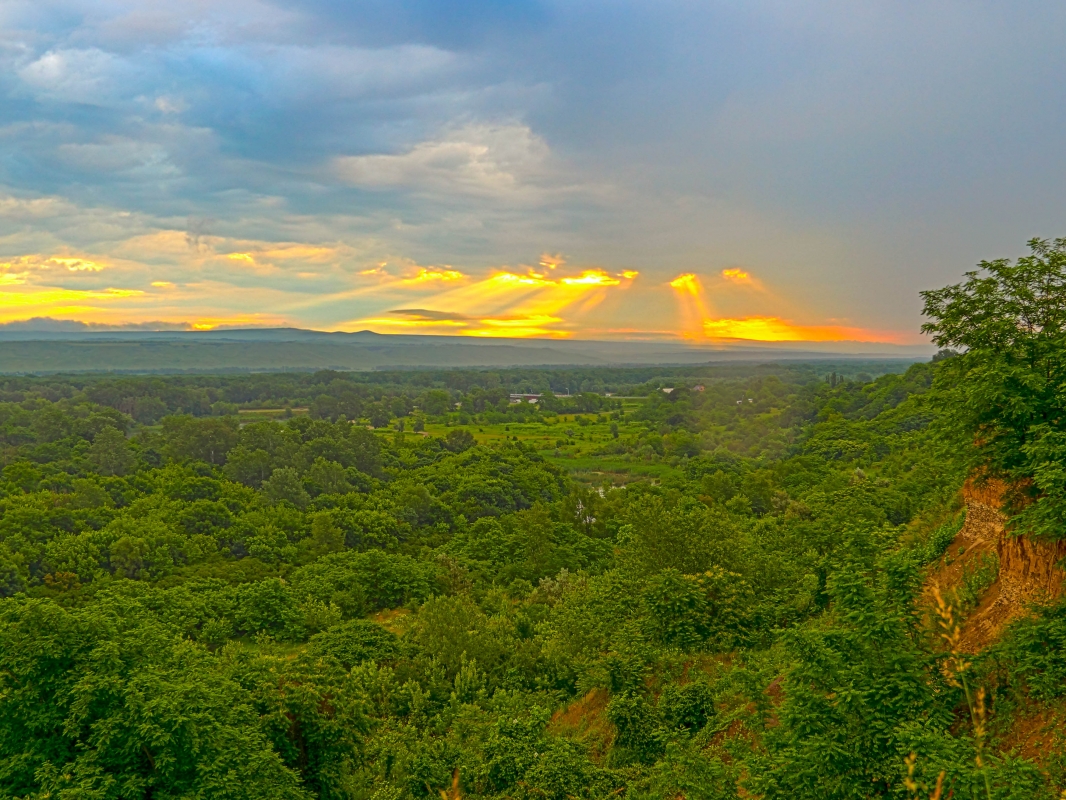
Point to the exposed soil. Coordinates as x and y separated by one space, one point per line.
396 620
585 720
1037 733
1029 570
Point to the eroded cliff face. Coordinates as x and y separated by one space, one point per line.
1030 571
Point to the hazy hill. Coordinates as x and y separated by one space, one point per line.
65 348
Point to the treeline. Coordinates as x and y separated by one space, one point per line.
759 416
330 394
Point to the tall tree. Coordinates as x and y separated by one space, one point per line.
1006 390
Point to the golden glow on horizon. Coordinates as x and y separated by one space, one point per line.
528 327
18 304
162 284
768 329
235 321
390 322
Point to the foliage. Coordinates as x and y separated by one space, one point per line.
1005 389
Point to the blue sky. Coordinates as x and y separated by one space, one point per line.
532 169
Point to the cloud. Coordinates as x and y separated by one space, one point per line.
427 315
117 154
170 105
50 324
333 73
434 275
85 76
736 275
15 303
25 266
486 160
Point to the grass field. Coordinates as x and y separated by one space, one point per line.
570 441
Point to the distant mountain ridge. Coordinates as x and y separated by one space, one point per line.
43 345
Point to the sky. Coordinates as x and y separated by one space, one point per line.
703 171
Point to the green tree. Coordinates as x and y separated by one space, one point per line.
1005 392
858 693
22 475
328 477
110 453
436 402
459 440
250 467
285 485
379 415
107 703
208 439
326 537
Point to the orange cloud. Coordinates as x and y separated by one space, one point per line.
427 275
76 264
687 283
23 264
549 261
594 277
739 278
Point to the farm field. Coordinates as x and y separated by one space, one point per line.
572 441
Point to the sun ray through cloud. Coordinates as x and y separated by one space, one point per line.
509 303
698 322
